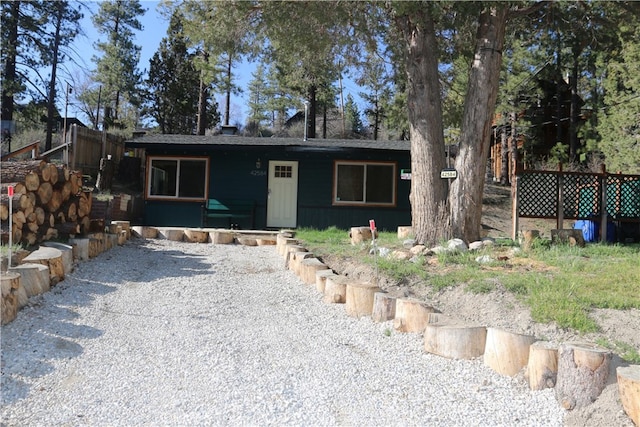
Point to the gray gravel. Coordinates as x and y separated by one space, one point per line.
166 333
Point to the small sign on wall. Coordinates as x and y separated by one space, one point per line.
405 174
448 173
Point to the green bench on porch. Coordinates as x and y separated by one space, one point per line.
234 210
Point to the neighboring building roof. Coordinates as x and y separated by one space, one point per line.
228 141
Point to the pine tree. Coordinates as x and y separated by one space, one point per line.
620 125
258 100
117 68
173 83
352 117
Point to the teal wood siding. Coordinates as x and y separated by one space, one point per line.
234 174
315 196
168 213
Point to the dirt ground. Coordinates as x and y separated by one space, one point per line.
501 309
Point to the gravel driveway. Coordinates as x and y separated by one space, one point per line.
164 333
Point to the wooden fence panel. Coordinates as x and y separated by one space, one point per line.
88 149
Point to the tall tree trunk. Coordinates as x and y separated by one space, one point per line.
51 102
466 191
504 156
227 114
9 83
311 119
430 218
575 108
202 108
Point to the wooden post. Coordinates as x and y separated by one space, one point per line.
560 220
514 208
412 315
542 368
384 307
308 269
335 290
359 299
321 279
34 278
629 388
583 370
603 209
507 352
455 341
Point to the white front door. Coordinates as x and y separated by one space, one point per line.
282 203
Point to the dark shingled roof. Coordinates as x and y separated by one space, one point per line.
198 141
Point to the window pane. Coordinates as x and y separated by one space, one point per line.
350 183
379 184
192 178
163 177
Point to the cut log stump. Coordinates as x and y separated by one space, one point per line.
194 235
583 371
629 388
359 235
507 352
321 279
124 225
384 307
571 237
34 278
359 299
412 315
50 257
308 269
144 232
265 241
335 289
14 296
221 237
291 250
542 368
97 244
405 231
122 237
247 240
455 341
80 247
111 240
282 243
67 254
295 260
170 233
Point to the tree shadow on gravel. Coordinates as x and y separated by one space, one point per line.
47 328
44 330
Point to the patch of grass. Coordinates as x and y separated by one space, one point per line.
481 286
626 351
559 283
398 270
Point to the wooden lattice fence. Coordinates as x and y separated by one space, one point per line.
563 195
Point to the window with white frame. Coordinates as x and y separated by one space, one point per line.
367 183
177 178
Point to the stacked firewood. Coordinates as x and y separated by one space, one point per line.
48 201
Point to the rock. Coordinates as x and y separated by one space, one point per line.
408 243
418 249
476 246
457 244
400 255
488 241
384 252
439 250
484 259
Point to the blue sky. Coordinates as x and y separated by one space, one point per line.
155 28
